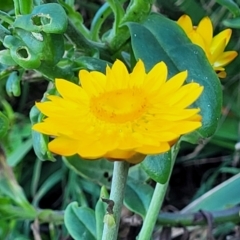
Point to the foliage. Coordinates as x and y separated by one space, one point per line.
44 196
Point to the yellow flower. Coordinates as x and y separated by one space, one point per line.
120 115
202 35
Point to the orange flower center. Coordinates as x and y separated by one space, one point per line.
119 106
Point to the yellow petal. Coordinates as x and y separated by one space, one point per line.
44 128
173 84
69 90
225 35
186 23
186 127
156 77
118 154
205 29
198 40
117 76
63 146
163 147
217 50
138 75
224 59
185 96
87 83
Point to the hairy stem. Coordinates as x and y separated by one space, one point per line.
120 173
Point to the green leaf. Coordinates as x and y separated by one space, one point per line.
160 39
93 64
223 196
49 18
232 23
158 167
39 140
138 173
19 153
231 6
100 211
3 32
99 171
5 58
80 222
193 8
48 47
138 196
21 54
49 183
4 125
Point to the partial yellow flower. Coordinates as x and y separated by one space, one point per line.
120 115
202 35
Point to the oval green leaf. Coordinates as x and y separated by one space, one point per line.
161 39
80 222
138 196
158 167
13 84
49 18
39 140
99 171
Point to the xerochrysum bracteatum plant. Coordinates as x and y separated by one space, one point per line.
118 97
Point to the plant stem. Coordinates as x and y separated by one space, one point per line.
156 202
153 211
198 218
120 172
98 20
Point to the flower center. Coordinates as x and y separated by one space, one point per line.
119 106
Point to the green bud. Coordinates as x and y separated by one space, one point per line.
109 220
13 84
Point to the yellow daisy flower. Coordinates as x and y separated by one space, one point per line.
202 35
120 115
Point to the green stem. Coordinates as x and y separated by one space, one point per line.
153 212
120 173
118 12
98 20
137 11
52 72
156 202
82 43
16 7
26 6
6 18
197 218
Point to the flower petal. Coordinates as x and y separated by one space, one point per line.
224 59
70 91
156 77
163 147
225 35
205 29
138 75
186 23
63 146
